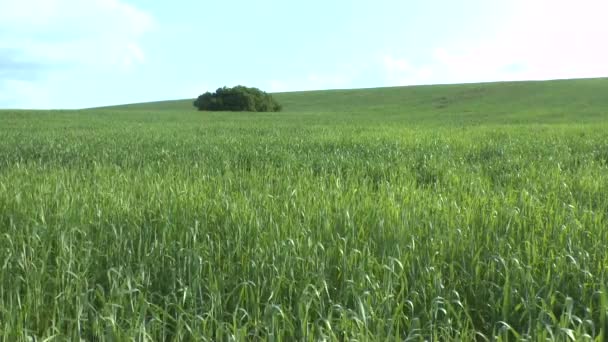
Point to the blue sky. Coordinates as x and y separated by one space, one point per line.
84 53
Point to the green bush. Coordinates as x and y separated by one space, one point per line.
237 99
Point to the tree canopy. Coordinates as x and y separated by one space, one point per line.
237 99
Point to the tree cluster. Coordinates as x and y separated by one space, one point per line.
237 99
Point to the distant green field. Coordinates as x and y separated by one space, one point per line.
460 212
566 101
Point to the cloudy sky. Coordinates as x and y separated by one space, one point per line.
85 53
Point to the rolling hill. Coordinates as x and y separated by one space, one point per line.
577 100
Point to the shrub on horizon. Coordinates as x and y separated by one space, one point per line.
237 99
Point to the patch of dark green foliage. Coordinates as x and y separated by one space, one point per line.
237 99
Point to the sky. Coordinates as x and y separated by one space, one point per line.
87 53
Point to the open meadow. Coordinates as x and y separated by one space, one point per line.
463 212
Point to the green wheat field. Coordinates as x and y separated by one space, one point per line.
473 212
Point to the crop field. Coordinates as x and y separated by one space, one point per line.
447 213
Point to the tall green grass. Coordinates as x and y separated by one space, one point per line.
171 225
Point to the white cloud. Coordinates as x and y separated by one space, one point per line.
57 36
399 71
546 39
396 65
558 38
92 32
277 86
327 81
24 94
314 81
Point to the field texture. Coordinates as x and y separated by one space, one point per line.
473 212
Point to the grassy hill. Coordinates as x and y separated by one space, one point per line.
507 102
446 213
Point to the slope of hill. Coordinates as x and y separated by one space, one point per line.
505 102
